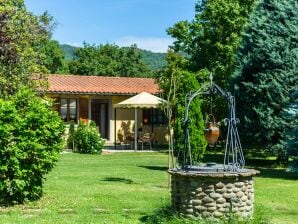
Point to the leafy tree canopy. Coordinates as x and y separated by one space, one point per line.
213 37
108 60
30 135
21 34
54 57
267 74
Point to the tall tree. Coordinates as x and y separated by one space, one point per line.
267 74
20 34
213 37
108 60
53 57
210 42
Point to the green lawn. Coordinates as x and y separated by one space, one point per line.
127 188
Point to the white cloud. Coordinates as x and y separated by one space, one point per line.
154 44
75 44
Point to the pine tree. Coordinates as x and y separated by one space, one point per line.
267 74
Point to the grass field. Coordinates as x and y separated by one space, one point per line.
130 187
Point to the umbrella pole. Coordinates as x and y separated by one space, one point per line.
136 129
115 126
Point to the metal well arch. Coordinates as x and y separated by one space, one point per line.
233 158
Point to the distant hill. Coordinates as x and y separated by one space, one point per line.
155 61
68 50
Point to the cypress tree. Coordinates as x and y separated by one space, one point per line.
185 83
188 83
267 74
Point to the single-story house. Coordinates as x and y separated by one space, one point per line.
86 98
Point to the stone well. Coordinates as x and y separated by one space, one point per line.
213 194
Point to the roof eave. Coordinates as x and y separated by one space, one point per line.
91 93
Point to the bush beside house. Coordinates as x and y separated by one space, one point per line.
87 139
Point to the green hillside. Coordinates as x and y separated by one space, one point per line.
155 61
68 50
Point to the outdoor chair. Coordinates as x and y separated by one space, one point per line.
129 140
147 138
126 141
121 139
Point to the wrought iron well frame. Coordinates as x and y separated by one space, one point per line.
233 158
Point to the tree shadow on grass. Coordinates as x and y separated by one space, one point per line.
162 215
168 215
158 168
276 173
118 179
255 162
266 167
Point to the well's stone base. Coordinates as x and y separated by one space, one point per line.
203 194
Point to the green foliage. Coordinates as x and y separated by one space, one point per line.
30 135
267 75
71 132
291 114
196 126
53 57
213 37
185 82
154 61
20 35
108 60
87 139
30 141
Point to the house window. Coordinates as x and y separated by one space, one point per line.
68 109
154 116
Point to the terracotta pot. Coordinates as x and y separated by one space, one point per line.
211 132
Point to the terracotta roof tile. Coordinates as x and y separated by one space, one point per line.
77 84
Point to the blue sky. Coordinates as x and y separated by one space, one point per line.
122 22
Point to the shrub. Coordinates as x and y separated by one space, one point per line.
70 139
30 141
87 139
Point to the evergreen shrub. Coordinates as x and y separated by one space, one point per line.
196 122
30 141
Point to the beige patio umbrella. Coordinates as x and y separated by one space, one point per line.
142 100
